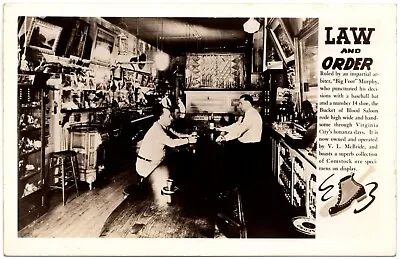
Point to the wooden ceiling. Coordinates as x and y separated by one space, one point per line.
184 35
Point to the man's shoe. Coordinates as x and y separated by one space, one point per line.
349 190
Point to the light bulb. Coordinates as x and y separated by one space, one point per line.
161 61
251 26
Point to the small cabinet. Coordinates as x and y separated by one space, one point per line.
85 140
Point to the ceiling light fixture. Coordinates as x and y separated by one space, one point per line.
251 25
161 60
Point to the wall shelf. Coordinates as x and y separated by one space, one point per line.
28 175
30 152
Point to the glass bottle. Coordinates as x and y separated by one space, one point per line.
212 122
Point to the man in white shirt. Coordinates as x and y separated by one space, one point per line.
248 128
242 161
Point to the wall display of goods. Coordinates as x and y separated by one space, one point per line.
224 71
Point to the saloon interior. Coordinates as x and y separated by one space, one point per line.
86 91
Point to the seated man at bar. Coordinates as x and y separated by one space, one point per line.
243 137
176 112
153 148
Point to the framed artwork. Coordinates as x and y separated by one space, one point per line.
215 71
142 48
122 44
44 36
145 80
77 40
128 76
281 39
139 78
134 49
103 45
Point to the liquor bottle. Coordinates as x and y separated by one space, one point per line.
284 114
279 115
296 117
212 122
223 121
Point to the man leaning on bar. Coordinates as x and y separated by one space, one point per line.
243 145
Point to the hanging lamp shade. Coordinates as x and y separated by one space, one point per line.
251 25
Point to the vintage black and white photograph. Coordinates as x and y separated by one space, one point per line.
167 127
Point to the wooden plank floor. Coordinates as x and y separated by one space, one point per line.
145 219
146 213
82 216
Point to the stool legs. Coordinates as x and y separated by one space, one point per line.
243 229
59 162
63 180
73 164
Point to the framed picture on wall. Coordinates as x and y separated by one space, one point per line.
77 40
128 77
103 45
122 44
281 39
44 36
145 80
142 48
134 46
139 79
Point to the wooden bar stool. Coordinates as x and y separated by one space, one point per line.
67 164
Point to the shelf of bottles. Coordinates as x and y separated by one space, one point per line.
33 133
291 176
299 184
285 170
311 194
